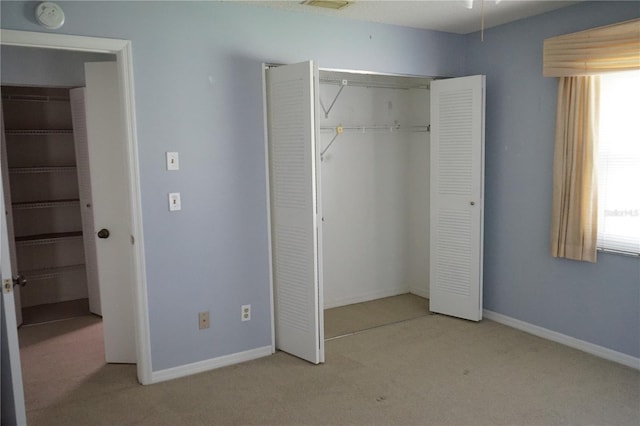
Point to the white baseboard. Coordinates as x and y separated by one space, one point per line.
593 349
364 297
209 364
419 292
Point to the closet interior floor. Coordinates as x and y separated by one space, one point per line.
345 320
55 311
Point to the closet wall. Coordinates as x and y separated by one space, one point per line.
375 187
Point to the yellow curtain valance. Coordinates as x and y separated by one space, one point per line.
596 51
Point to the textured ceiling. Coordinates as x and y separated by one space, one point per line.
450 16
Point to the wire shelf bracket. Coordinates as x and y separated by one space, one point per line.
327 111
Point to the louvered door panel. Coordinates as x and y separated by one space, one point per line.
457 179
292 165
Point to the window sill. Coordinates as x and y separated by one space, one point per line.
618 252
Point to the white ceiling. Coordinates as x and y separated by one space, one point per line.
451 15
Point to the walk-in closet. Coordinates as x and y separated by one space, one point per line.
47 228
376 191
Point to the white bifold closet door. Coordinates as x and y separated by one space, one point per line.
295 234
457 199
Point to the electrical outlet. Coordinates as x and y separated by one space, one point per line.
246 312
203 320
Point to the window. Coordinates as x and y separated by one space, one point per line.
619 163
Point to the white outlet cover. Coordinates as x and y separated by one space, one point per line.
245 312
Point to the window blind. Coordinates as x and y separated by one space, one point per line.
599 50
619 163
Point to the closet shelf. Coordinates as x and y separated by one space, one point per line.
35 98
47 273
376 128
46 204
25 170
42 239
373 84
38 132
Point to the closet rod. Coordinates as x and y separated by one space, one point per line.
363 129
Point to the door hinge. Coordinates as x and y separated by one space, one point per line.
7 285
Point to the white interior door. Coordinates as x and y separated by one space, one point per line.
12 409
79 118
6 192
457 199
111 209
293 168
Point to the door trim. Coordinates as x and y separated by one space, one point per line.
265 67
124 59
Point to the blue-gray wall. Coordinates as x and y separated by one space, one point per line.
198 87
198 91
599 303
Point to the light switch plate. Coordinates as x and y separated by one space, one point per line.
174 201
173 162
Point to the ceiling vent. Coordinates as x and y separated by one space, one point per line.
327 4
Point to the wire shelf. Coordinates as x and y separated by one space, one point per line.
27 170
35 98
376 128
46 204
48 273
44 239
38 132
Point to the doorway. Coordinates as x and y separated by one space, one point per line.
124 95
50 214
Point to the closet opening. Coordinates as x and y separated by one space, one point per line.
374 178
375 189
104 67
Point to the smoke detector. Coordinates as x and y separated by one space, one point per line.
327 4
49 15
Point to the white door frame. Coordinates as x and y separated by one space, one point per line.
122 50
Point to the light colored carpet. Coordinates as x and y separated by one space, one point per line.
431 370
349 319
